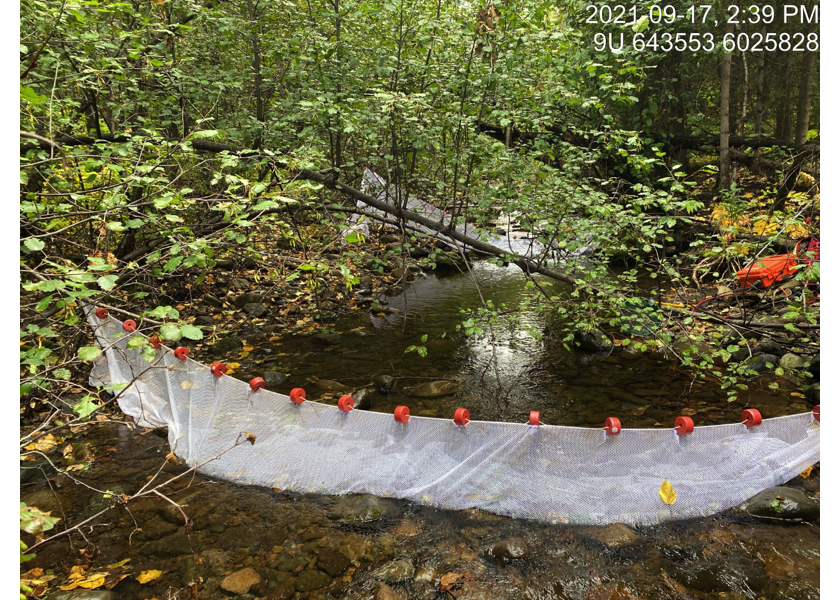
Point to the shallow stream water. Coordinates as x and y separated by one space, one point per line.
303 546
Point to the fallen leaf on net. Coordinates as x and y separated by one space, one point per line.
667 492
250 437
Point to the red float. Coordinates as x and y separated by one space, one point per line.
155 342
257 383
345 404
401 414
817 413
181 353
101 313
612 426
218 369
751 417
462 417
684 425
297 395
129 325
534 418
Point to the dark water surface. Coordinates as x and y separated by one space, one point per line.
354 546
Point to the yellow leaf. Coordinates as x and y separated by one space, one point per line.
232 366
147 576
797 395
186 385
426 498
45 444
116 581
119 564
806 473
274 338
667 493
93 581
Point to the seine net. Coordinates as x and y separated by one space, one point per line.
548 473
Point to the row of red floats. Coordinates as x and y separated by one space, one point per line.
612 426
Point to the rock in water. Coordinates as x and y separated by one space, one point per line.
791 361
384 384
592 341
241 581
781 503
312 580
614 536
273 378
511 549
363 399
434 389
395 571
326 339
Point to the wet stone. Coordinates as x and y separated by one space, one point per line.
287 562
241 581
313 533
613 536
177 544
47 501
781 503
791 361
384 592
243 300
515 548
364 508
812 393
384 384
363 399
326 339
35 470
284 591
435 389
157 529
225 345
814 367
273 378
770 347
255 310
759 363
328 385
332 562
395 571
592 341
312 580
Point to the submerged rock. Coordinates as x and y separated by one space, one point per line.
781 503
328 385
241 581
395 571
384 384
255 310
82 595
332 562
326 339
613 536
514 548
48 501
273 378
225 345
312 580
434 389
759 363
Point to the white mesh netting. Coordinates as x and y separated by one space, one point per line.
548 473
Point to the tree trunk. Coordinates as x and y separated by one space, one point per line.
256 66
803 109
785 128
759 89
725 174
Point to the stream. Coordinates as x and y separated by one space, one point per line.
257 543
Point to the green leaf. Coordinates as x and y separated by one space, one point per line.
88 353
107 282
33 244
62 374
172 264
31 96
206 133
44 303
85 406
191 332
136 342
265 205
171 332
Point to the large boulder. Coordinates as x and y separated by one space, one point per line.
514 548
384 384
791 361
